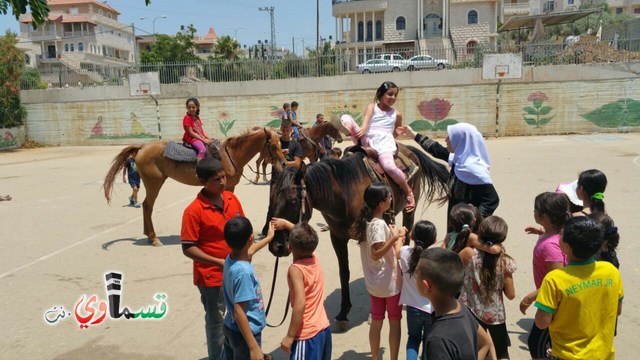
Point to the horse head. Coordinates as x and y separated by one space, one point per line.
288 201
333 132
273 150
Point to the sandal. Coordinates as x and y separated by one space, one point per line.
410 203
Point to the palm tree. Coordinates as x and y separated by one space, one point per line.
227 48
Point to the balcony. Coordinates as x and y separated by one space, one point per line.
520 8
346 7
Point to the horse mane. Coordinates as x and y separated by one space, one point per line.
234 141
348 172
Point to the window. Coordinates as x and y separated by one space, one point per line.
71 48
569 2
369 30
636 10
27 59
400 23
66 47
471 47
80 47
360 31
472 17
548 6
378 29
618 11
73 10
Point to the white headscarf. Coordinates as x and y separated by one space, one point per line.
470 157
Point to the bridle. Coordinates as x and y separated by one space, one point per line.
266 146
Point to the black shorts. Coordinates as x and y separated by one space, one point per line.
500 337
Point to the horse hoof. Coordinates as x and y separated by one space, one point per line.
341 326
156 243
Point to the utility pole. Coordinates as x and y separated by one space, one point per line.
135 46
317 28
270 10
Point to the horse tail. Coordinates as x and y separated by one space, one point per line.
117 165
434 179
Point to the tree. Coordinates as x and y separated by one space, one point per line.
39 9
227 48
11 64
171 55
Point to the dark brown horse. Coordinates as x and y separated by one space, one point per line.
309 141
336 188
154 168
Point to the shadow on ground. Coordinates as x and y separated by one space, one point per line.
165 240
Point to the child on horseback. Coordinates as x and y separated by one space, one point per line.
379 248
193 130
379 122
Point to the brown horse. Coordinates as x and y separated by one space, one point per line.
154 168
309 139
336 188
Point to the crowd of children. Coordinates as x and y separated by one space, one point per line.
453 294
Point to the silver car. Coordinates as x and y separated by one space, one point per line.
426 62
376 66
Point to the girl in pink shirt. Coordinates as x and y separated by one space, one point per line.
551 210
193 130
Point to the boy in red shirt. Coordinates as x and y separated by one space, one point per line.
202 238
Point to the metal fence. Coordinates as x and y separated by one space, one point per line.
619 51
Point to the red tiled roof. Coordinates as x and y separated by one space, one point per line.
27 18
78 2
211 35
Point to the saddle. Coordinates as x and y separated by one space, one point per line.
184 152
375 170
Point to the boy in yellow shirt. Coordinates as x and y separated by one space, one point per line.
580 302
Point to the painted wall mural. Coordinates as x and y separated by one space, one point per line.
351 109
136 130
539 111
435 111
621 113
224 123
8 140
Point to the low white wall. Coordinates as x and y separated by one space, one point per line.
547 100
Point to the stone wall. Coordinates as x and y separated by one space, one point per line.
547 100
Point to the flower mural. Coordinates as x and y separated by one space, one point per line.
435 110
538 110
349 110
224 123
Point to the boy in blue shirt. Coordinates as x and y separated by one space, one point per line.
245 317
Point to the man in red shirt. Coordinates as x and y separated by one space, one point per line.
202 238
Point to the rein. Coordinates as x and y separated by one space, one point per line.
235 167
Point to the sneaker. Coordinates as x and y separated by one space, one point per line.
131 202
138 205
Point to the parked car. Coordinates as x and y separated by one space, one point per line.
426 62
376 66
395 59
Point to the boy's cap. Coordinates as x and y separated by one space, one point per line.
570 190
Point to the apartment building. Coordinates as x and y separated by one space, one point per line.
80 35
366 28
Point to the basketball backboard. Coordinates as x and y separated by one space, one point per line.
144 84
501 66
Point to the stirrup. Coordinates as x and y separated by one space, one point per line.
410 203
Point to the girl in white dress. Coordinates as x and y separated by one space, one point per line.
379 123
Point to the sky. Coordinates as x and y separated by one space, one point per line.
295 20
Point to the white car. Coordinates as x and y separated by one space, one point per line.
426 62
376 66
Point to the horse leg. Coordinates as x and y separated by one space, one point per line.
147 210
342 252
259 162
264 171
